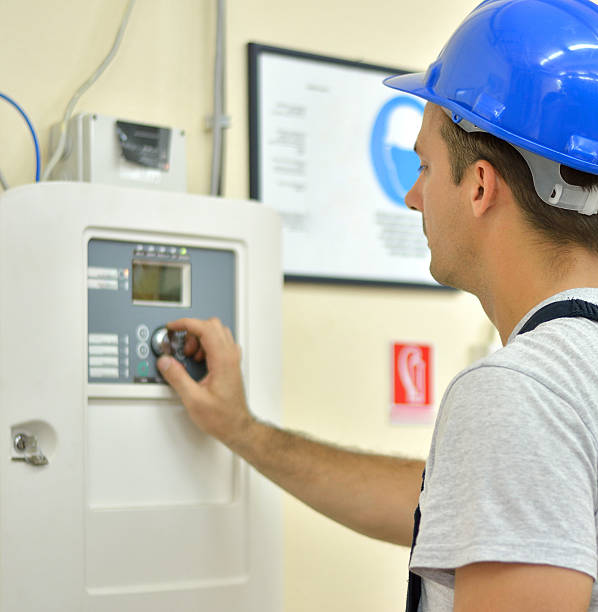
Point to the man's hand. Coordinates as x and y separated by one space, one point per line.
216 404
372 494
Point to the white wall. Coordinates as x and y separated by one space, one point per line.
336 339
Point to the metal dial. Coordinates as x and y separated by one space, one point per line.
160 342
166 342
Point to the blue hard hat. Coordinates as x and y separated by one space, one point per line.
525 71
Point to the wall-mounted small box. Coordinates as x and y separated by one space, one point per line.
103 149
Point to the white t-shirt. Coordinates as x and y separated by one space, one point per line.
512 474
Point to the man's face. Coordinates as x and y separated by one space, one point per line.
442 204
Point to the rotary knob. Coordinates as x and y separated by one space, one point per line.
159 341
166 342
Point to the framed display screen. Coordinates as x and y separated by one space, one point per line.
160 283
331 148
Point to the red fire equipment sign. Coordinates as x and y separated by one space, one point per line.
412 382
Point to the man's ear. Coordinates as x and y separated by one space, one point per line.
484 184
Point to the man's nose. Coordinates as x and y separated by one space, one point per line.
413 197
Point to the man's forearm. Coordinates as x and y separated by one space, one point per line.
373 494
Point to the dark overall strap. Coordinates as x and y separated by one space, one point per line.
558 310
555 310
414 587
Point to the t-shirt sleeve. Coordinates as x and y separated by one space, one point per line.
511 477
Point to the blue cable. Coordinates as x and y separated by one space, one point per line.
35 141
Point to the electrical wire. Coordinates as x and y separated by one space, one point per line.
58 152
33 134
220 120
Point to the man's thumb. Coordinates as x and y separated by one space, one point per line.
177 377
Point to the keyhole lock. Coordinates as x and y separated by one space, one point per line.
28 450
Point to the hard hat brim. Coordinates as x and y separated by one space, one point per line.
415 84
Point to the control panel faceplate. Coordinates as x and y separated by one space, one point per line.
135 289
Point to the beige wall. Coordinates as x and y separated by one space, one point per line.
336 339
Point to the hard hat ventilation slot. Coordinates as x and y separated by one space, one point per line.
556 194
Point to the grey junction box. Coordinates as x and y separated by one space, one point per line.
104 149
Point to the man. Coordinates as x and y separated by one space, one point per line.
507 515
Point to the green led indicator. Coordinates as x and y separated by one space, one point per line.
183 251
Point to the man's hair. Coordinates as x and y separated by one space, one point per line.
561 227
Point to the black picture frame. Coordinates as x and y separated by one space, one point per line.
257 51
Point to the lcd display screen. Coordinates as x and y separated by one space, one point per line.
154 282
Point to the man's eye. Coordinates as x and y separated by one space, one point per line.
421 168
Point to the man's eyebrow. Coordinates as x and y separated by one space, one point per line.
415 146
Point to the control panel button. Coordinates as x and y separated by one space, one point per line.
103 273
100 283
103 362
103 372
103 349
143 368
143 333
143 350
103 339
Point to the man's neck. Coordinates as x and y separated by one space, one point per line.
518 283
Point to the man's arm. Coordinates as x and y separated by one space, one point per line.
518 587
373 494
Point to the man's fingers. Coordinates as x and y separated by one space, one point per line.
178 378
193 348
196 326
217 404
192 345
215 342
